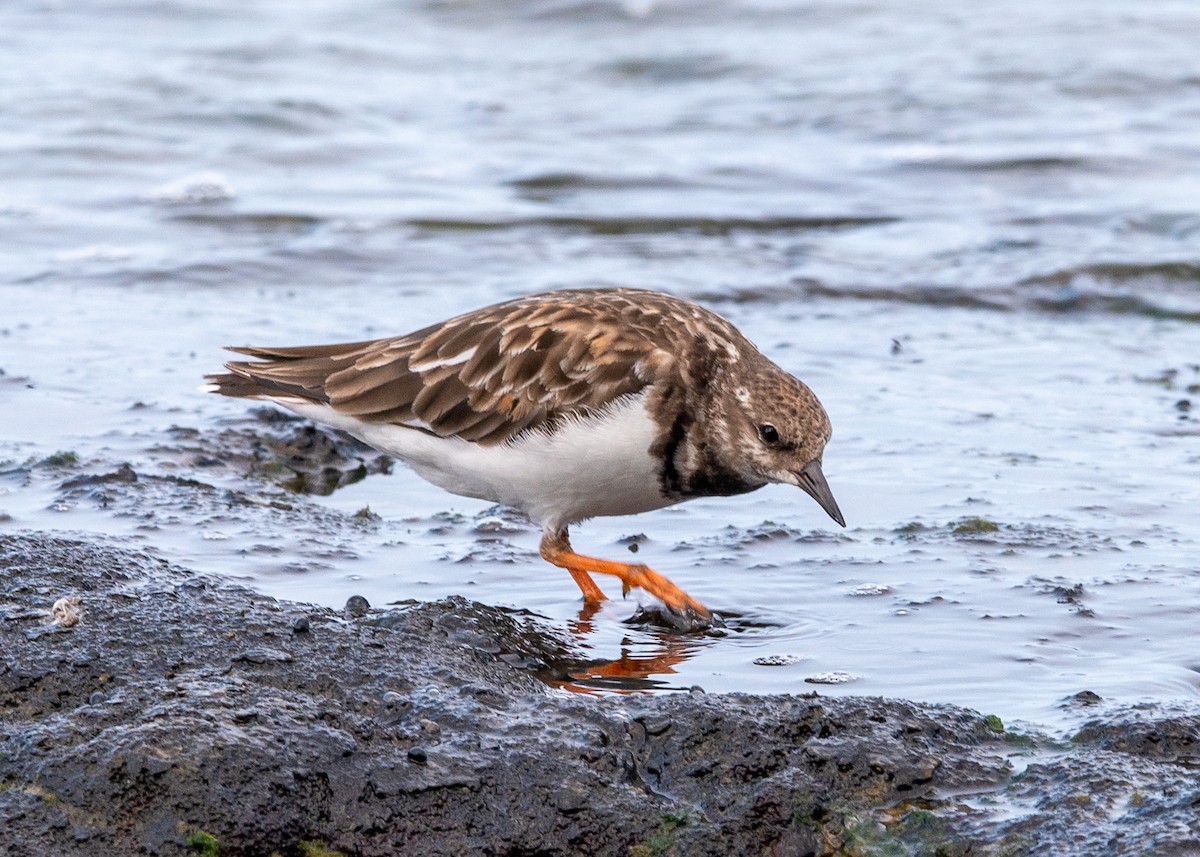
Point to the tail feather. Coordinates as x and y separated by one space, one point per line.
256 387
283 373
339 350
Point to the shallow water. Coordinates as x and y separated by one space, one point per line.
974 233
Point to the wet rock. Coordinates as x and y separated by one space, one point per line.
835 677
659 616
779 660
356 607
1155 735
124 474
263 655
500 521
154 732
278 447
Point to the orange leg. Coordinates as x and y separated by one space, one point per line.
592 593
556 549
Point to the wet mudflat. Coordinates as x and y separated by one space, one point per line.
168 712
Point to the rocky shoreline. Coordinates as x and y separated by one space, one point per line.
166 712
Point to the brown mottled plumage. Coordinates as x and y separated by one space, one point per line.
522 382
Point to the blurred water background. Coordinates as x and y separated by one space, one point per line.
973 230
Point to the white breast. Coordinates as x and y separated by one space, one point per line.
587 468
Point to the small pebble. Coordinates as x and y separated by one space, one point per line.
393 701
655 725
417 756
779 660
356 607
97 698
831 678
301 625
393 709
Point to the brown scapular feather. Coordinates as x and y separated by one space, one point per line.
535 361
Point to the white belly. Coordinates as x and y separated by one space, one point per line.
588 468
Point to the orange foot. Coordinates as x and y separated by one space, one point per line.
556 549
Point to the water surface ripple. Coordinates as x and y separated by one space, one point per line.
973 230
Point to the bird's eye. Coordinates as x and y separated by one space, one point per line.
769 434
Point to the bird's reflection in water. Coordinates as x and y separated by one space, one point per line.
640 667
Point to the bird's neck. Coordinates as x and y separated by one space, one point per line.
689 446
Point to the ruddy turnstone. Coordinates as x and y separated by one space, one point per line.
566 406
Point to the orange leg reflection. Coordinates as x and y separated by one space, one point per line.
629 673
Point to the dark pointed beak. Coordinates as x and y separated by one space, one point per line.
812 480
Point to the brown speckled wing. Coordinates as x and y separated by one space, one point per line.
490 374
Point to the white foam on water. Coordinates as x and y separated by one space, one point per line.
194 189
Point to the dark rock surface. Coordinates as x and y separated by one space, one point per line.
170 713
277 447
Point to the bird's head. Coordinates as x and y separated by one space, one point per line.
782 430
